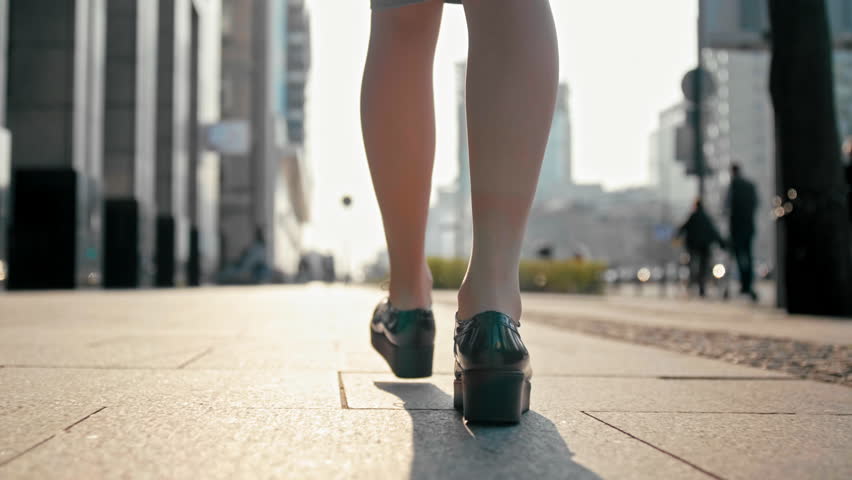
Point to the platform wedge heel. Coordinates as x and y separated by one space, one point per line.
492 372
404 338
492 397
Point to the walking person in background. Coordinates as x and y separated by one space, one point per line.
741 205
699 234
512 75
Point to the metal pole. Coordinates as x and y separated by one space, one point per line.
697 110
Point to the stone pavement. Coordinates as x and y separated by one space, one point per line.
278 382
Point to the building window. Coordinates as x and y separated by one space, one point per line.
227 100
751 15
846 7
227 18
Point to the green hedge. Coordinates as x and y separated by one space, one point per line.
563 276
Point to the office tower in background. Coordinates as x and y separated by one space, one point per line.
266 53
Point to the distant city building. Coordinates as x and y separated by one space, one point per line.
450 231
745 24
668 173
843 91
556 175
618 227
443 227
461 226
298 41
266 58
739 128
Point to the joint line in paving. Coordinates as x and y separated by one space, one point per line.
693 412
706 472
195 358
28 450
722 377
69 427
344 404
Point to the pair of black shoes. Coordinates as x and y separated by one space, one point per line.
492 368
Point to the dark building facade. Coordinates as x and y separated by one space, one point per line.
103 104
5 148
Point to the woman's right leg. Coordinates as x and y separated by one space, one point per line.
398 122
512 75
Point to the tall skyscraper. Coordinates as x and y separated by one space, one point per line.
266 58
556 175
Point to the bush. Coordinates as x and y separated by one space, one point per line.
447 272
562 276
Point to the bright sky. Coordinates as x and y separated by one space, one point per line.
623 60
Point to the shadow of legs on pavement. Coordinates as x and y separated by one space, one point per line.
446 447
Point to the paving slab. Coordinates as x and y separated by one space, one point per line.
119 351
250 353
38 403
244 382
551 394
161 441
748 446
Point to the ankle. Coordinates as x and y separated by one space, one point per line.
476 297
407 294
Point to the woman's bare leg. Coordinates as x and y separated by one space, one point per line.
398 121
512 76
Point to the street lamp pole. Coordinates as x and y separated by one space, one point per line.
347 203
697 80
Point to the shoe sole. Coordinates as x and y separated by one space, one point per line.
405 362
488 396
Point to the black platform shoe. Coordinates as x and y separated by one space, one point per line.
406 338
492 383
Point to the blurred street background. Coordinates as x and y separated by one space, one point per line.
184 194
181 143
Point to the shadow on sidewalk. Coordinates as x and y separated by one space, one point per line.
446 447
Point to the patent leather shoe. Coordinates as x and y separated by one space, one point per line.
492 370
405 338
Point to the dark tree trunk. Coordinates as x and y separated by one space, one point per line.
817 267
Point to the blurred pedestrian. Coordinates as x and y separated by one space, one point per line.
512 75
700 234
847 149
741 205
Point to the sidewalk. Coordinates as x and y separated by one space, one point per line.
281 382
